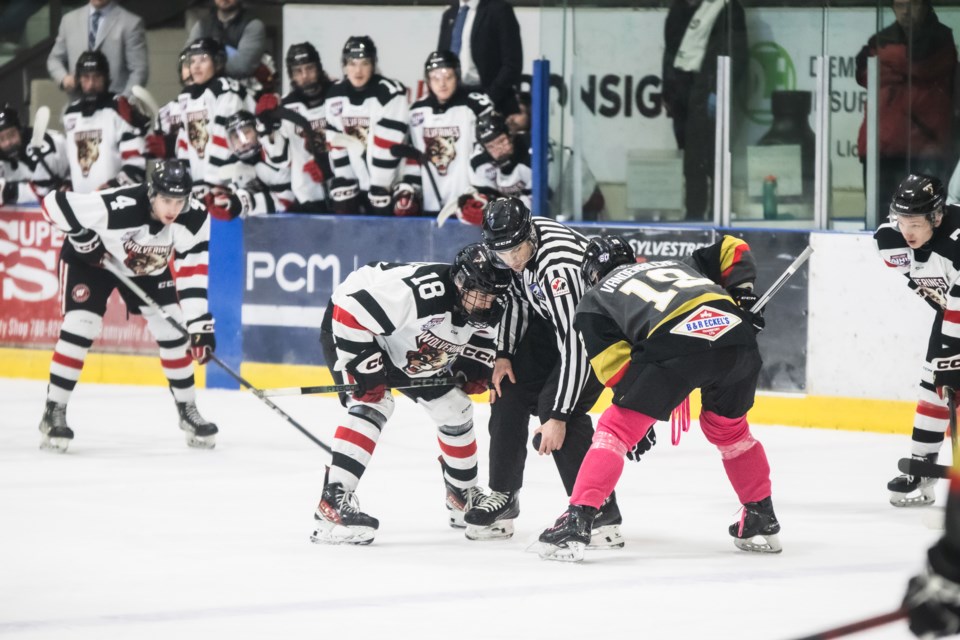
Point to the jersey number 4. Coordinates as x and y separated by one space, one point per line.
661 298
121 202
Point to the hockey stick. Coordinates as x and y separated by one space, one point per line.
926 468
146 99
408 151
861 625
353 146
782 280
448 210
110 265
347 388
41 121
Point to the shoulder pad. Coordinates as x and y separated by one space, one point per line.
387 90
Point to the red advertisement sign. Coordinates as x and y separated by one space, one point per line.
30 290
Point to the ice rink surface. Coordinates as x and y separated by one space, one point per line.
133 535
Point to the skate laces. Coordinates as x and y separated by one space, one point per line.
58 414
192 414
494 501
680 421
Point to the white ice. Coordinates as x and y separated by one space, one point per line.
133 535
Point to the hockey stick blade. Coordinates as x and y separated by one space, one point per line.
351 144
41 120
448 210
782 280
861 625
922 468
348 388
146 99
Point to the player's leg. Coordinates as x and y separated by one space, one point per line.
452 411
175 358
727 396
84 291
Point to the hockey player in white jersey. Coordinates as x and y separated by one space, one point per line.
27 174
260 180
104 134
920 241
139 228
205 106
162 141
388 324
443 129
374 112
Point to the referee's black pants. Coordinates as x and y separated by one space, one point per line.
536 366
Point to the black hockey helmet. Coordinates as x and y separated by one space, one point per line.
242 135
359 47
441 60
93 62
211 47
184 61
918 195
490 126
305 53
171 178
602 255
9 118
474 275
507 223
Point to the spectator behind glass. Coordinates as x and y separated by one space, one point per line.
695 35
109 28
917 59
485 35
243 36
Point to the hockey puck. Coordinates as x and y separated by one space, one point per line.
535 443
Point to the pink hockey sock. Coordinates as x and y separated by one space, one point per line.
744 459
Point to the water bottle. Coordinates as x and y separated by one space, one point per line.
770 198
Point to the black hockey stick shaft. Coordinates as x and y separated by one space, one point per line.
110 266
409 151
922 468
861 625
782 280
348 388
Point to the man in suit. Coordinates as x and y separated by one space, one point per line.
485 35
105 26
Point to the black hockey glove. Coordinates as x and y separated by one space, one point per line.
472 376
946 374
379 202
88 247
745 299
933 597
202 340
368 372
644 445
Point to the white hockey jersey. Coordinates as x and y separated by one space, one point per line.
445 134
377 116
408 310
263 186
202 139
305 188
102 145
35 174
141 244
513 178
169 118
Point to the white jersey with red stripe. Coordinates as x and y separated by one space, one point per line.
264 186
142 245
202 139
513 178
305 188
933 271
376 116
446 136
102 145
29 177
409 310
169 118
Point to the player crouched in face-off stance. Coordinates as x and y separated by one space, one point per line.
655 332
390 325
139 228
920 241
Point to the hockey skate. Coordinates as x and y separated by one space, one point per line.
569 536
606 526
913 491
201 433
56 434
758 528
339 519
493 518
458 500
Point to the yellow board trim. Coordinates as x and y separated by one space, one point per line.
826 412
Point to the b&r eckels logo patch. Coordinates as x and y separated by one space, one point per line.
80 293
707 323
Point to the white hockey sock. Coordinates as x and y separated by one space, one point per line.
458 447
175 358
77 333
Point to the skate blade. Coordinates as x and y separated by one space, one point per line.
455 518
759 544
925 497
570 552
330 533
201 442
502 530
54 445
607 537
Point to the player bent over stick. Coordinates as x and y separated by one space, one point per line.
387 323
141 228
655 332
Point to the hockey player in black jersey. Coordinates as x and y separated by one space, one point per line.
541 367
373 111
920 241
654 332
27 174
387 324
139 228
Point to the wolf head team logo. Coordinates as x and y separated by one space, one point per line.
934 288
197 131
88 149
433 354
144 259
358 128
80 293
441 146
707 323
